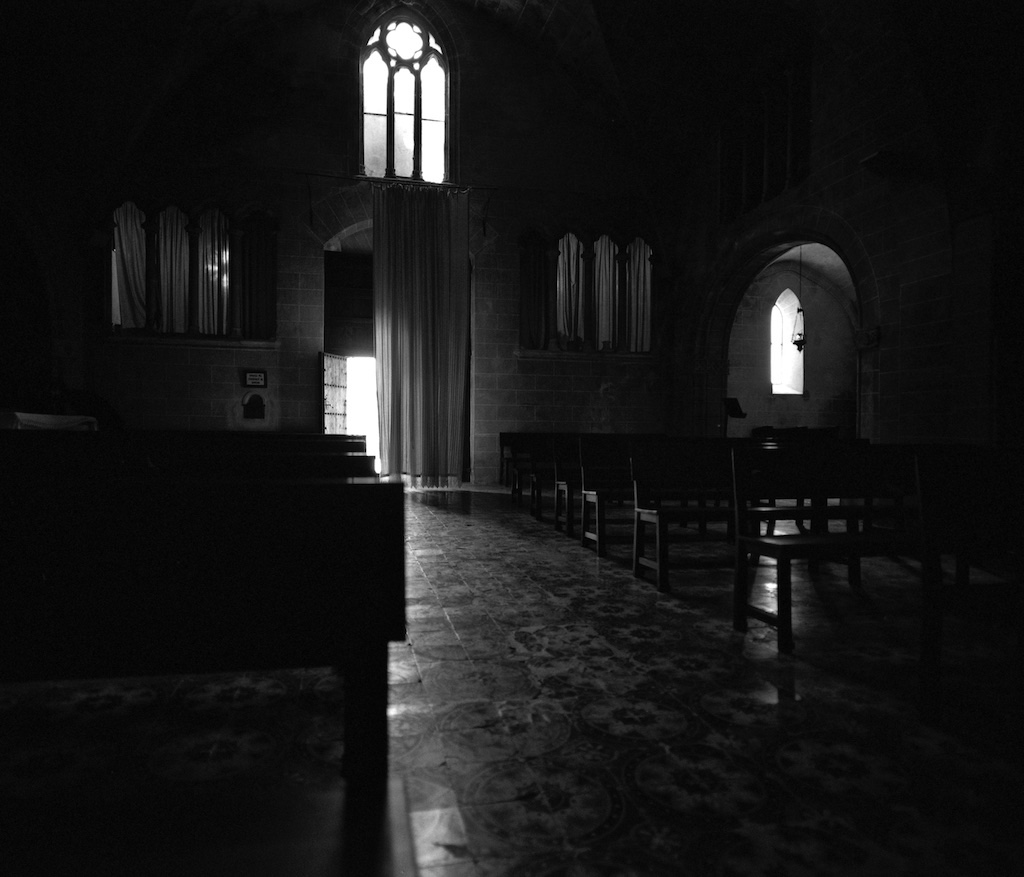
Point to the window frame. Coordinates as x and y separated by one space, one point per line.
787 364
435 49
246 303
543 311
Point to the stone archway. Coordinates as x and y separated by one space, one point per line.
733 275
814 278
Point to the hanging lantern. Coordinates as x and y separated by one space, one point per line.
798 331
798 323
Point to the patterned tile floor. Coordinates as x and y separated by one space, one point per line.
552 715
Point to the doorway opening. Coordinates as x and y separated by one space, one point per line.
361 403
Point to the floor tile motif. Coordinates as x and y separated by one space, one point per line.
552 716
585 724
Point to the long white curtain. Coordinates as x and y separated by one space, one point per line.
421 330
606 290
129 267
638 279
569 288
173 270
213 273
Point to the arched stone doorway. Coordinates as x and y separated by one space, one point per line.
839 263
817 329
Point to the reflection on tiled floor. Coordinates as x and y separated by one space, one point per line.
552 715
205 776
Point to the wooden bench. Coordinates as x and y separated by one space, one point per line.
566 452
110 572
515 459
554 468
865 501
973 493
604 478
531 466
677 481
278 455
972 496
518 450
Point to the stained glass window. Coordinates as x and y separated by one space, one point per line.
405 103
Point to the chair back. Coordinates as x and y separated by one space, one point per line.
874 487
604 463
566 452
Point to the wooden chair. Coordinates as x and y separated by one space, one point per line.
541 473
521 448
566 449
859 501
677 481
604 477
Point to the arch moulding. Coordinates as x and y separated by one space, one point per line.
736 266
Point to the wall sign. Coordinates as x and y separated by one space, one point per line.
254 378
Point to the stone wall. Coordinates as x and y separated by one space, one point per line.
877 196
531 154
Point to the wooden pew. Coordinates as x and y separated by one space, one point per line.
554 468
529 465
268 455
605 478
566 452
972 497
110 572
879 505
513 447
517 449
677 481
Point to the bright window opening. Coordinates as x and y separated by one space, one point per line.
405 103
787 358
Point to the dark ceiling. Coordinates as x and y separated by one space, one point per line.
660 65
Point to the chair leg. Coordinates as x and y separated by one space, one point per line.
600 511
740 591
536 499
570 526
856 582
585 515
661 547
785 605
638 543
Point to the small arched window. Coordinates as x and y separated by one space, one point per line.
404 103
787 342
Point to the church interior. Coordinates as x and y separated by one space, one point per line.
289 286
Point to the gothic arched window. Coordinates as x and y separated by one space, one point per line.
405 103
787 359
